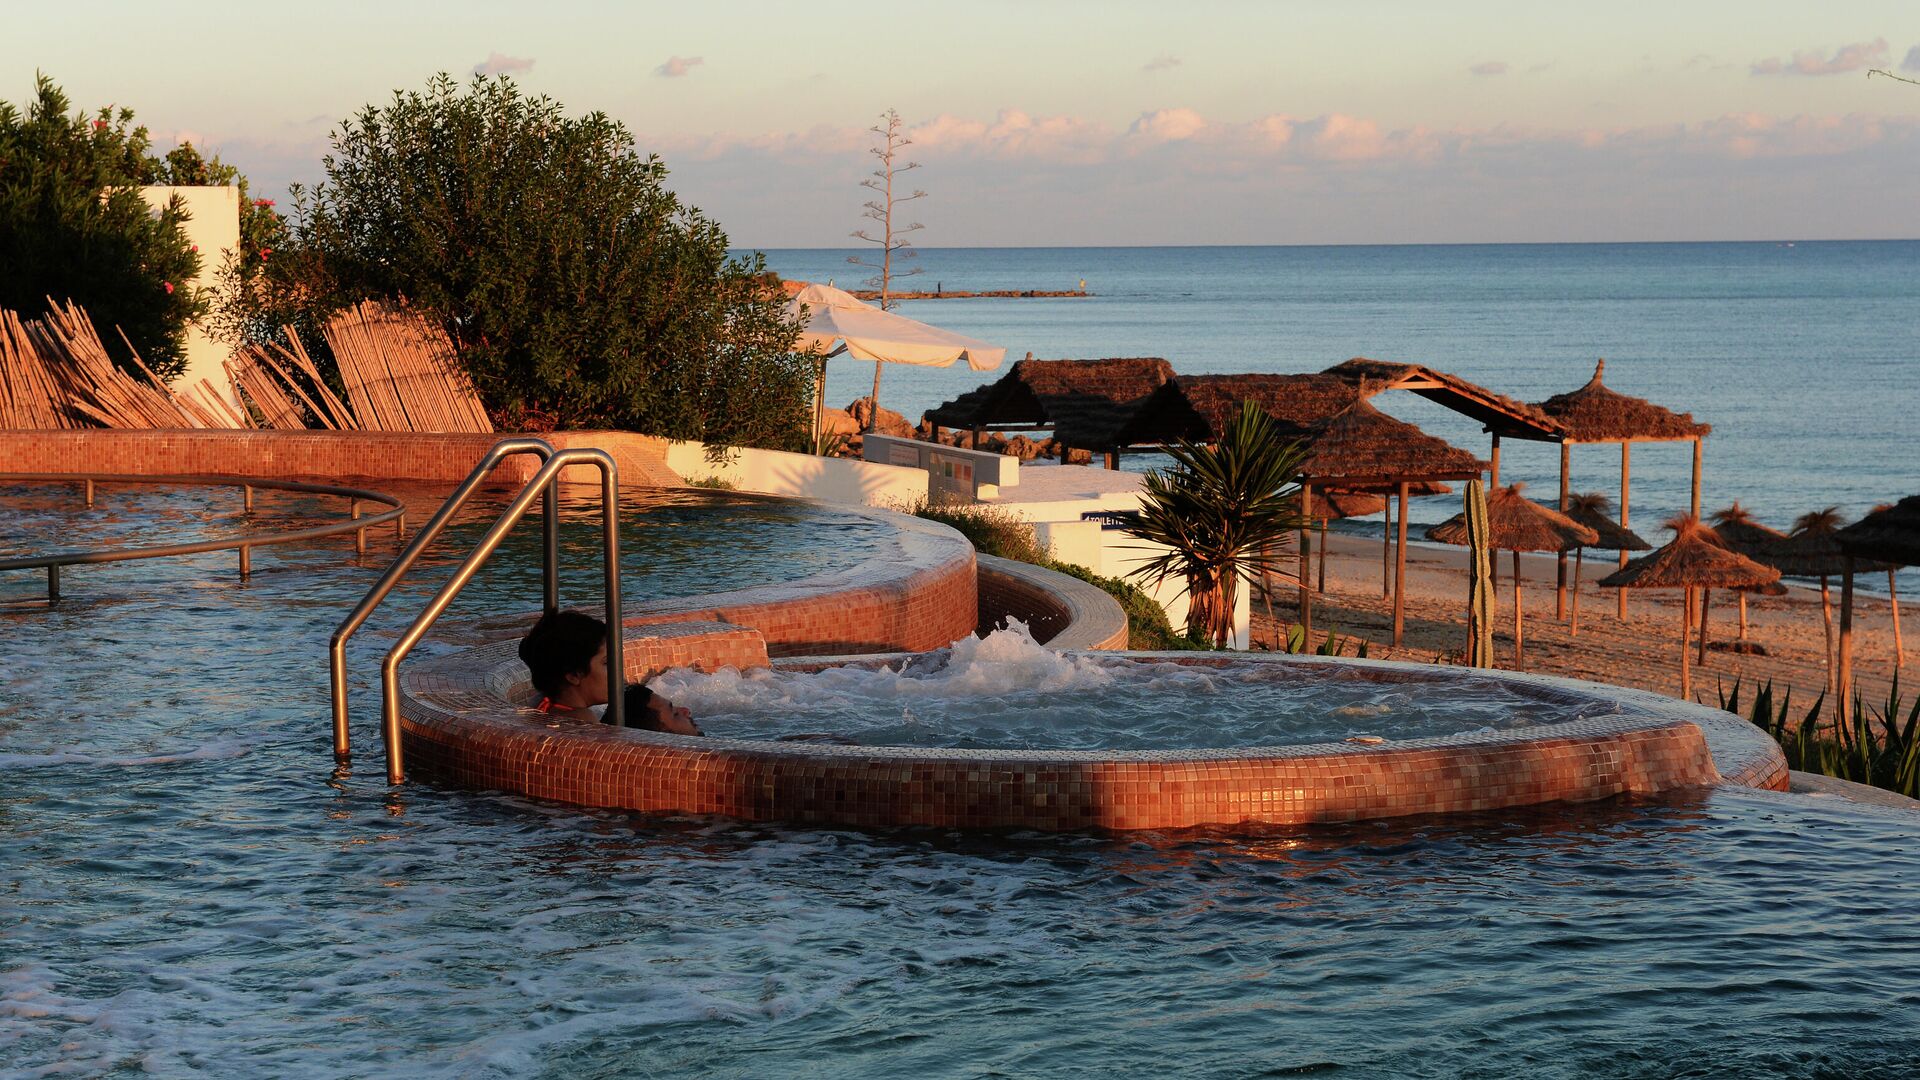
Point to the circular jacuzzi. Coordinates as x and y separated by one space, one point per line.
1000 733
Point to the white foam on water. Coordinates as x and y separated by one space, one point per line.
1005 662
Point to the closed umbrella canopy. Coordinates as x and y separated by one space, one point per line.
835 317
838 321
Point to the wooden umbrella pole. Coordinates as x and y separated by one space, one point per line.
1400 570
1323 555
1579 556
1306 557
1626 486
1698 444
1686 631
1893 603
1560 579
1845 676
1826 617
1519 619
1493 475
1386 549
1743 614
1706 597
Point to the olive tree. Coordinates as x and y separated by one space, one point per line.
576 288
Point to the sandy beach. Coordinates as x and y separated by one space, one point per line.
1642 651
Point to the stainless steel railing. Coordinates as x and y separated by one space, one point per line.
355 523
544 484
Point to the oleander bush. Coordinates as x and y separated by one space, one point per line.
73 226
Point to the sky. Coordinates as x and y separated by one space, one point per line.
1054 122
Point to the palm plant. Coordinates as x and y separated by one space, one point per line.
1223 514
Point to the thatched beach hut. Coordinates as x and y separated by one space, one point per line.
1517 523
1083 402
1693 559
1597 414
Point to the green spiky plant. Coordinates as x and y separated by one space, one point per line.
1223 515
1876 746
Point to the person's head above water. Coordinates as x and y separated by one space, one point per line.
566 653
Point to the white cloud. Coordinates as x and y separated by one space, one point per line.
1912 62
678 66
502 64
1489 67
1855 57
1161 63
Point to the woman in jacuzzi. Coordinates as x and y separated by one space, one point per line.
566 653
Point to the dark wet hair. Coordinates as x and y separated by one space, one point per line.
638 702
562 643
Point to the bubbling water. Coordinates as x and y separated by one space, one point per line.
1005 691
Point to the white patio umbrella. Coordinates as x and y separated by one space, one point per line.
838 322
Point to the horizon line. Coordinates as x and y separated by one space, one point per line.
1780 241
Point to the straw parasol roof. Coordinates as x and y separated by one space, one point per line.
1691 560
1360 443
1890 533
1595 413
1812 549
1592 509
1738 529
1501 414
1334 505
1198 408
1517 523
1083 401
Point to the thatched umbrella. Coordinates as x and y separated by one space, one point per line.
1891 534
1592 509
1738 530
1692 559
1517 523
1338 506
1596 413
1811 550
1358 447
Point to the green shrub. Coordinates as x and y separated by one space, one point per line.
577 289
74 227
1000 533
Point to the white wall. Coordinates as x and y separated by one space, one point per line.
213 226
1115 554
775 472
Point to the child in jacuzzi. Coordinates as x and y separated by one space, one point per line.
566 653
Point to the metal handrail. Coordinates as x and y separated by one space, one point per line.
550 550
543 481
244 544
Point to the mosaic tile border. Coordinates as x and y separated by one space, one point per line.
460 730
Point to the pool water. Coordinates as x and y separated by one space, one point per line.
189 887
1006 693
672 543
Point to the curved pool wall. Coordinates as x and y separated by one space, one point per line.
464 723
918 593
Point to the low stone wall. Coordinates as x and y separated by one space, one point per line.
1059 610
386 455
806 476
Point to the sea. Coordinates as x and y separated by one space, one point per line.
1803 355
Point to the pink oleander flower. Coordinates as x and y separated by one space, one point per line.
99 125
264 252
169 287
263 203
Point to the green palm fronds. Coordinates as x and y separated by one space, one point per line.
1222 515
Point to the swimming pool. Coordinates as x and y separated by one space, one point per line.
186 886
